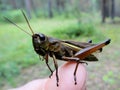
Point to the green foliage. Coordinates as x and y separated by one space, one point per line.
109 78
3 6
14 15
75 30
40 13
9 69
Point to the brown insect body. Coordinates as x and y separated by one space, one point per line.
46 45
62 50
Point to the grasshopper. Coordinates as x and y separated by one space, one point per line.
64 50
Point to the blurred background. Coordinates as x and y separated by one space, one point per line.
79 20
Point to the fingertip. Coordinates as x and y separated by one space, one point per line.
66 78
81 75
33 85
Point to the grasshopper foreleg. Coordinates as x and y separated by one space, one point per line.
46 60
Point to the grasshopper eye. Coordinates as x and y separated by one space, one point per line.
42 37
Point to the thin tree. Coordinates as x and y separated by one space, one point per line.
28 7
112 9
50 13
103 10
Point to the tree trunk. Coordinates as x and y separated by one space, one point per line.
13 2
50 13
28 8
112 9
58 6
63 4
103 10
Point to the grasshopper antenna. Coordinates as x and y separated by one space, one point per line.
27 21
16 25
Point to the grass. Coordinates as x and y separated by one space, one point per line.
16 51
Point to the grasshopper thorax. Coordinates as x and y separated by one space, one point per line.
38 40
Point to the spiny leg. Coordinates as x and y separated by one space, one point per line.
75 73
56 67
82 62
77 60
46 60
70 58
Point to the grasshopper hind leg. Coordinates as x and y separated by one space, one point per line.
75 71
78 61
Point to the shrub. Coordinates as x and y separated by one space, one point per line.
76 30
8 70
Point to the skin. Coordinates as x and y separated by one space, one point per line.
66 79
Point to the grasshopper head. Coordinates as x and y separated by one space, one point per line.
38 41
38 38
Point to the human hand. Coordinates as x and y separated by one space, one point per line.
66 79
